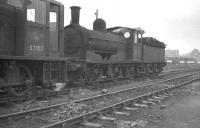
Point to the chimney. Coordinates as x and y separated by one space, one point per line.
75 12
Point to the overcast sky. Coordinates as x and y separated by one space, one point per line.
175 22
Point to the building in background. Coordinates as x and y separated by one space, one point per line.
195 53
173 56
172 53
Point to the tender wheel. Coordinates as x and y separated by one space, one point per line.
21 75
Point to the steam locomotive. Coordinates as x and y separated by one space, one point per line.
37 50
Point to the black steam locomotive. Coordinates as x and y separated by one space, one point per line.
116 52
37 50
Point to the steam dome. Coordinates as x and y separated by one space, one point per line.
99 25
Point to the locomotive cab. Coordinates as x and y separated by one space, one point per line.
44 28
31 44
134 45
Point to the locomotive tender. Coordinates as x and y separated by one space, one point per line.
37 50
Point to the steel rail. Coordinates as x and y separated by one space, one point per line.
96 113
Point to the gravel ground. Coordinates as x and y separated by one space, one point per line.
182 110
159 116
79 94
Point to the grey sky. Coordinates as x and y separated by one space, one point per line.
175 22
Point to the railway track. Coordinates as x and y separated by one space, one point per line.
89 105
38 93
177 71
119 108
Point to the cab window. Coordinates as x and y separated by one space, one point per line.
36 11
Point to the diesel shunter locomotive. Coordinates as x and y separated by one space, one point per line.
37 50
